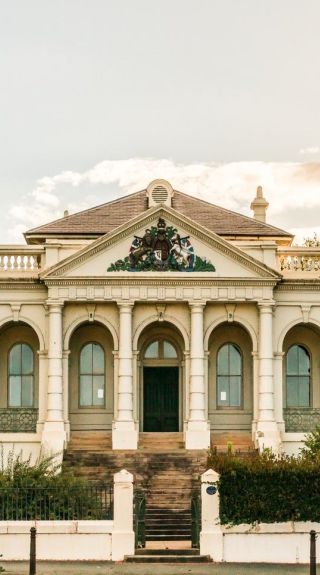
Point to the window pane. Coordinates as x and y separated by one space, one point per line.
27 391
152 350
223 391
97 359
223 361
26 359
168 350
304 361
15 360
292 391
85 390
98 390
86 359
235 391
304 392
15 391
235 360
292 360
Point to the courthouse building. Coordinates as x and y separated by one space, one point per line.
159 312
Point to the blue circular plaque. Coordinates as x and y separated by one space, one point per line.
211 490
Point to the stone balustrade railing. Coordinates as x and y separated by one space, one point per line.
17 259
299 260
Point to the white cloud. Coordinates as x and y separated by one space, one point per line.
293 186
310 151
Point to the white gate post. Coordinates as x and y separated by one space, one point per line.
211 537
122 534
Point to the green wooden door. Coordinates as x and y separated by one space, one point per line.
161 398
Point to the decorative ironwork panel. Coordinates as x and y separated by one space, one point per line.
19 419
195 518
139 510
301 419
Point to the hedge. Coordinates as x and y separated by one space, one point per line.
264 489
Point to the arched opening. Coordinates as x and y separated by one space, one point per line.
19 378
91 378
161 375
230 378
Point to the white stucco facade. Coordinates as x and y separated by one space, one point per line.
263 295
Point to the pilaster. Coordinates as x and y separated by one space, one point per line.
198 431
124 432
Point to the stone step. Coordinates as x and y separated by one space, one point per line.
165 537
194 551
172 558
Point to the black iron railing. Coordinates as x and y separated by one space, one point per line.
303 419
195 518
139 508
18 419
56 503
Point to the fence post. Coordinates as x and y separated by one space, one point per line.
211 537
122 534
313 554
32 565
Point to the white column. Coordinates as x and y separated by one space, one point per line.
54 436
198 431
122 532
268 435
124 433
211 537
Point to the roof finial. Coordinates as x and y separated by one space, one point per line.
259 206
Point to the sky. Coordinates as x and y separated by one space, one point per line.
99 97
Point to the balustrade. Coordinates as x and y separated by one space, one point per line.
17 259
299 260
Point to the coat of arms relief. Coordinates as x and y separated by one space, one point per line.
162 248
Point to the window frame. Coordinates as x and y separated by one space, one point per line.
160 358
307 350
230 407
99 406
23 342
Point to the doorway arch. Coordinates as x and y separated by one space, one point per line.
161 376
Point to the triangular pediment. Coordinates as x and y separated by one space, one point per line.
160 240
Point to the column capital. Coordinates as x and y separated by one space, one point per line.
54 304
125 304
197 305
266 306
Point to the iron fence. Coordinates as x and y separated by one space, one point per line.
56 503
139 509
18 419
195 517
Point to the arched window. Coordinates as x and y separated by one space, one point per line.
298 377
21 376
160 349
92 376
229 376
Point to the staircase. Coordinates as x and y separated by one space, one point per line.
163 469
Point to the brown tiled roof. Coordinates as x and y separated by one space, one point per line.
106 217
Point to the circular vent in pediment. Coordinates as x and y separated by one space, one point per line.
159 192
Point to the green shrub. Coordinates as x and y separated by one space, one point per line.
267 489
40 491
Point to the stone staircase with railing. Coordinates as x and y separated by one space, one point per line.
163 469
